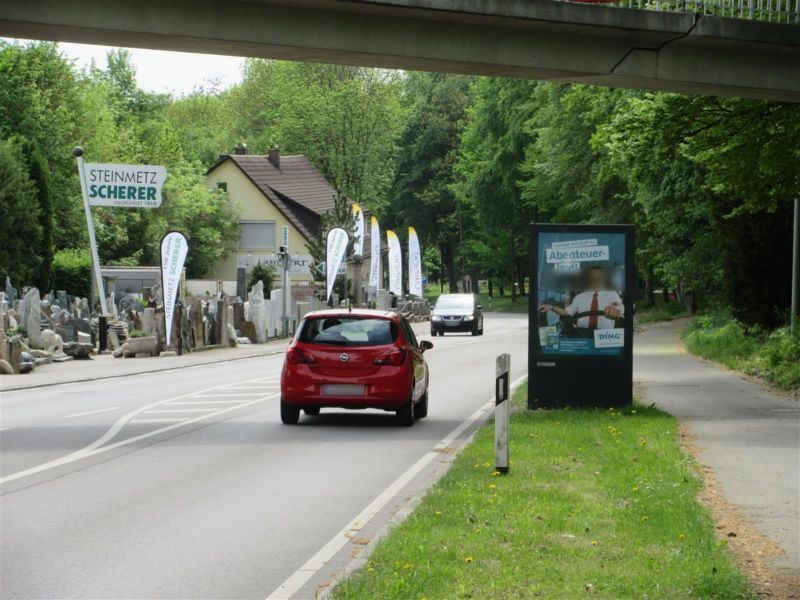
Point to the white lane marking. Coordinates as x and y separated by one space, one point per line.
203 402
91 412
179 410
173 420
6 429
97 446
244 388
300 577
227 395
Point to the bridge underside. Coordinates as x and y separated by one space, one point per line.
537 39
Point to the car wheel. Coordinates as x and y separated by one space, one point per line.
421 409
405 416
290 415
475 329
433 333
312 411
480 331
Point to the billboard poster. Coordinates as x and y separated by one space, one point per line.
581 294
580 350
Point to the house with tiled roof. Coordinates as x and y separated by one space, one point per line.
280 200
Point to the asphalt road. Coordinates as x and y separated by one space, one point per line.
184 484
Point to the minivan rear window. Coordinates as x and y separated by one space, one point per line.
348 331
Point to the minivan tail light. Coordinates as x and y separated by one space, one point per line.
296 356
393 357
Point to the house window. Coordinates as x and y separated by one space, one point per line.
257 234
222 186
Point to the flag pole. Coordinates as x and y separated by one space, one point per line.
78 153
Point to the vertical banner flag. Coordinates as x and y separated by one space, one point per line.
395 263
375 254
414 264
173 254
358 232
336 247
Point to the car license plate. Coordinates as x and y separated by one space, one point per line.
452 323
342 389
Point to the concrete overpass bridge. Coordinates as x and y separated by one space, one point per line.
693 52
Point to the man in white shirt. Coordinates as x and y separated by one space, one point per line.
596 300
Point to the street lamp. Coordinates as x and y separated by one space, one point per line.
283 256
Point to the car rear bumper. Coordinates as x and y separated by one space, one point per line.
389 389
456 327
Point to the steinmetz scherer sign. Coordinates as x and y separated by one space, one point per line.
125 186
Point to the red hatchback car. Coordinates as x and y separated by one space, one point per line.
355 359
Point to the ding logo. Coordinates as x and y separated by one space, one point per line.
609 338
344 357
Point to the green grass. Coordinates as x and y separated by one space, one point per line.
660 311
498 304
772 355
596 503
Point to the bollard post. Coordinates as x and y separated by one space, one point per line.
102 333
501 413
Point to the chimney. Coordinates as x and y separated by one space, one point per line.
240 149
274 157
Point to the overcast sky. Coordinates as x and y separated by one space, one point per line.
161 71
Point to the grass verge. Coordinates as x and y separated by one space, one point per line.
596 503
771 355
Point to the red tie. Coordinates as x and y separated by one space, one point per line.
593 318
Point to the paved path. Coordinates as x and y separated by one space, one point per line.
748 436
184 484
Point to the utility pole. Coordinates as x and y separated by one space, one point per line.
283 254
796 267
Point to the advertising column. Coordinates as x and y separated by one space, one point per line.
581 316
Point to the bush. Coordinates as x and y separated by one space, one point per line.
772 355
263 273
72 271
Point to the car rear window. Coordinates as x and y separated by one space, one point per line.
348 331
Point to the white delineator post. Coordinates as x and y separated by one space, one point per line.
501 413
78 152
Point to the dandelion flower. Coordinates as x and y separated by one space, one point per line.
644 519
595 543
469 559
438 513
492 486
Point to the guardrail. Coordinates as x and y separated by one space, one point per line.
775 11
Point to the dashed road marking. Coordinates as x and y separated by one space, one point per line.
227 395
202 402
91 412
178 410
101 444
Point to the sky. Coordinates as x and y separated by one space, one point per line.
166 72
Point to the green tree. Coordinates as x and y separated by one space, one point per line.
39 174
421 194
20 229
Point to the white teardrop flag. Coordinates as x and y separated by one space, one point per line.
395 263
358 232
336 247
375 252
173 254
414 264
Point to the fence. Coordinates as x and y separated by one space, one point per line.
775 11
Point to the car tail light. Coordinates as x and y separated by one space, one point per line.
296 356
393 357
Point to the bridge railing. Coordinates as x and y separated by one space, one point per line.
776 11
